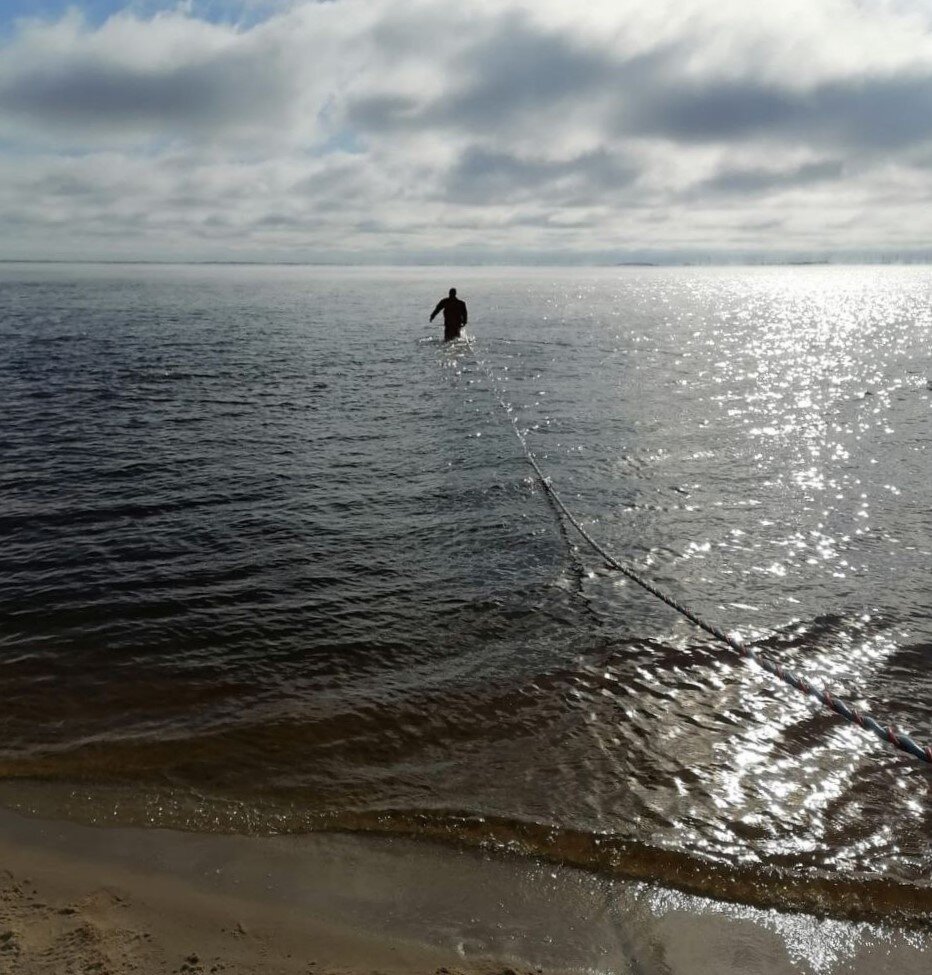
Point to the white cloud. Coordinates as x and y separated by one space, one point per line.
386 128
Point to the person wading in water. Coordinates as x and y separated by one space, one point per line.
454 315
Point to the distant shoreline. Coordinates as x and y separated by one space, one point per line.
923 262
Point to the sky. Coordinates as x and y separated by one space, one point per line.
481 131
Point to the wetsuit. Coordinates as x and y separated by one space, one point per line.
454 317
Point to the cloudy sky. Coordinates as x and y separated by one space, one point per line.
480 130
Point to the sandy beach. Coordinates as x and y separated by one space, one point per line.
76 899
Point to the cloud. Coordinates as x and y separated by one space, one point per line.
171 76
365 126
486 176
760 180
867 113
514 69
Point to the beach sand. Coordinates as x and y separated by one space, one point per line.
80 899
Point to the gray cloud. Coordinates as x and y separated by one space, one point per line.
230 91
339 180
66 185
484 176
748 182
278 220
869 113
515 68
383 113
756 226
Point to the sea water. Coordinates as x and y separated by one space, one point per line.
273 561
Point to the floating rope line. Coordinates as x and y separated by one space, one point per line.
886 733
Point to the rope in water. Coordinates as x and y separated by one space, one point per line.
885 732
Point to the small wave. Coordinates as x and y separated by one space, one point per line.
851 896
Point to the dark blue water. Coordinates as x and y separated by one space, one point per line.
273 560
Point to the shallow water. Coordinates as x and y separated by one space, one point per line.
273 561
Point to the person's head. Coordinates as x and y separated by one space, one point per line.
452 292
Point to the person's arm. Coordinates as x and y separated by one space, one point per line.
465 314
436 311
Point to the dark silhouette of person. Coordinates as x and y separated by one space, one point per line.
454 315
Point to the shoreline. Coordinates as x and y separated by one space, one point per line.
119 899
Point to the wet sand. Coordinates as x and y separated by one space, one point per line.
84 899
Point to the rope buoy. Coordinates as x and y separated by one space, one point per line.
885 732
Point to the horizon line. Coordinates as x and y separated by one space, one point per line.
711 262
